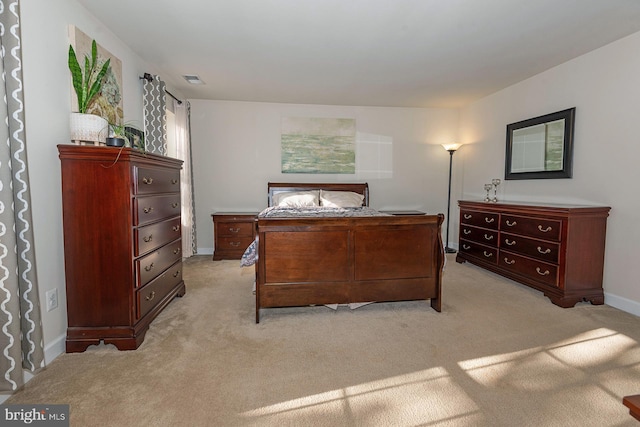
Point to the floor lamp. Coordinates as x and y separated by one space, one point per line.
451 148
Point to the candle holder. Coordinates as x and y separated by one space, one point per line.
495 182
487 188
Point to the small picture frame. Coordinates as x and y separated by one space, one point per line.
136 138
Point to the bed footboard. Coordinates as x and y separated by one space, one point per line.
347 260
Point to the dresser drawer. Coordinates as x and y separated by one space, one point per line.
533 227
154 208
149 180
537 270
152 236
480 235
480 219
149 266
148 296
485 253
541 249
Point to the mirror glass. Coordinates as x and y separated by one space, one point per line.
540 147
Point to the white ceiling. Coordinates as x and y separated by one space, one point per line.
402 53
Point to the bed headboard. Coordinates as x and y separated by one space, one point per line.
278 187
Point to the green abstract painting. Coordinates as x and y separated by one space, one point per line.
318 145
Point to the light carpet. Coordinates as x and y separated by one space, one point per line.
499 354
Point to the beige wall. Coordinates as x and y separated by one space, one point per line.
48 92
604 86
236 152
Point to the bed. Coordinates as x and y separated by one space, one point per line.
362 256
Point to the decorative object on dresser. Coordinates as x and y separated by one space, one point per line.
122 242
495 182
451 148
557 249
233 232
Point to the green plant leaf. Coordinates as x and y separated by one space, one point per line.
76 75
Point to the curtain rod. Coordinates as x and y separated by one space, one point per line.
148 77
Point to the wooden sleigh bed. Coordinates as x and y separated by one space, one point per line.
342 260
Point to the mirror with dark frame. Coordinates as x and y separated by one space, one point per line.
541 147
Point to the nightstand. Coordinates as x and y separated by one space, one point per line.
233 232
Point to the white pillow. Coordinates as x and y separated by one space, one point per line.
296 199
341 199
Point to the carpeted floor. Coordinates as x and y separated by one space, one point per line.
499 354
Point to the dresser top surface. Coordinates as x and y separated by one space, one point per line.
531 208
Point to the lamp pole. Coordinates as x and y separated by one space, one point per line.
451 148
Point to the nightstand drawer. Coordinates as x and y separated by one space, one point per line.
235 229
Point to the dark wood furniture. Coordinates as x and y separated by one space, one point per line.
122 242
557 249
233 232
633 403
307 261
401 212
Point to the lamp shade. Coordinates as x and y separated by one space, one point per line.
452 147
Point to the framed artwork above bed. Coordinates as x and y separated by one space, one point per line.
318 145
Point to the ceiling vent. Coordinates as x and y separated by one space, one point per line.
193 79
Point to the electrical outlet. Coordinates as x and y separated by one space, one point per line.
52 299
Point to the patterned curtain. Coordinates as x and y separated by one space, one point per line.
155 115
183 149
21 341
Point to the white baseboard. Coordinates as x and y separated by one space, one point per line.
54 349
622 303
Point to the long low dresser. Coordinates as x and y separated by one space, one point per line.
557 249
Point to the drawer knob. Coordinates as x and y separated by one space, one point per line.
151 296
147 180
234 230
488 237
467 216
545 229
488 254
466 247
506 261
148 210
489 220
465 231
174 181
149 267
176 251
176 228
510 224
546 251
545 273
513 242
148 238
176 274
234 244
175 205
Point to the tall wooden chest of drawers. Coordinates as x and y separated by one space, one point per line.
122 242
233 232
557 249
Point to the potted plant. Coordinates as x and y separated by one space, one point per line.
125 134
87 83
